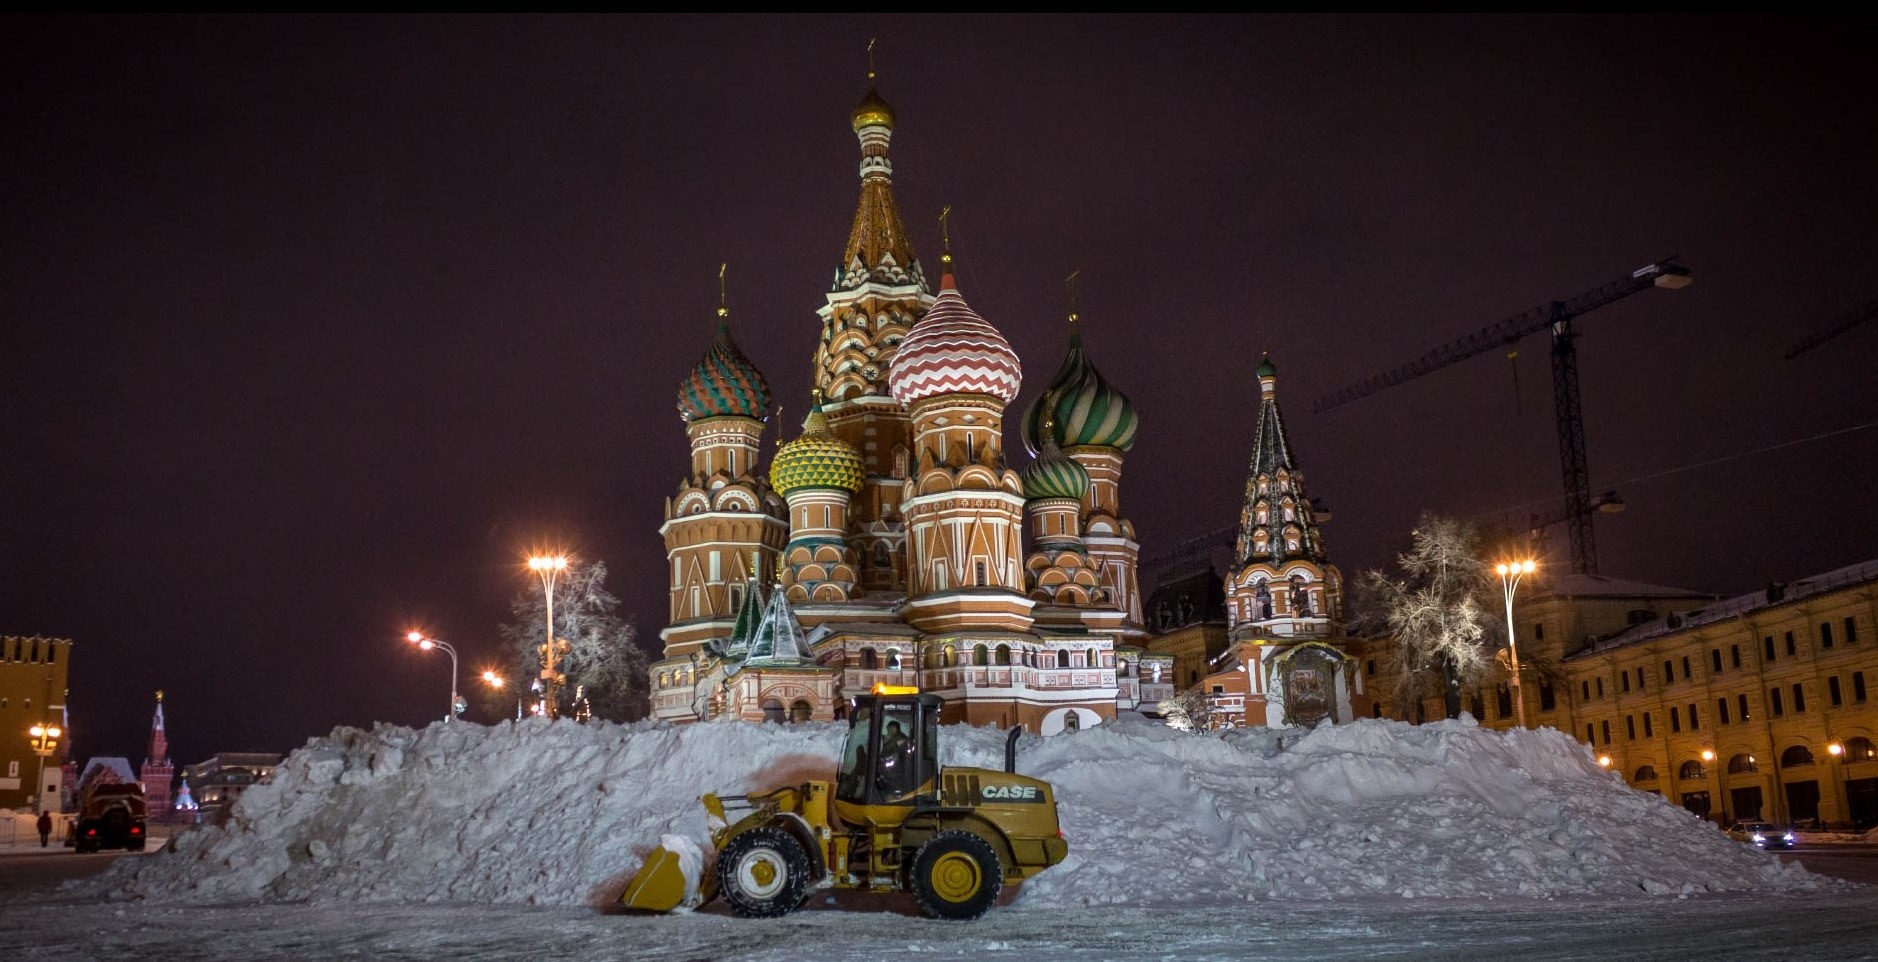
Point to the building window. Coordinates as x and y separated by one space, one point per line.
1825 634
1691 770
1851 630
1587 690
1548 700
1538 631
1767 648
1792 648
1773 702
1369 668
1832 691
1721 709
1799 699
1734 656
1695 724
1478 706
1605 727
869 659
1649 731
1004 655
1675 720
1685 668
1640 678
1505 702
1626 680
1714 660
893 659
1858 687
1669 673
1062 659
1591 735
1742 703
980 655
1796 756
1600 687
1630 728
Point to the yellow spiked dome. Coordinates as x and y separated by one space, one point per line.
817 459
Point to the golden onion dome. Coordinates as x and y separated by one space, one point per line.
872 111
816 459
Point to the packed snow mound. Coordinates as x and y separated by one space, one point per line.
562 813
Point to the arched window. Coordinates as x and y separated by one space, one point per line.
868 659
1645 774
893 659
801 711
980 654
1062 658
948 659
881 558
1004 654
1859 749
1072 721
665 680
1121 668
773 712
1741 764
1691 770
1796 756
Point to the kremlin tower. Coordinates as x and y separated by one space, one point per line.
158 775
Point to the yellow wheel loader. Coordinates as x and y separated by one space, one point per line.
892 821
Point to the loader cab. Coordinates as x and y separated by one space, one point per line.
892 751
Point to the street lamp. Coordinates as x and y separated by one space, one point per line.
456 703
45 741
1509 582
547 567
496 681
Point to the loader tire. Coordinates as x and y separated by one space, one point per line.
763 873
956 876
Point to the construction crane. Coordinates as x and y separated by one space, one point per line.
1556 317
1858 315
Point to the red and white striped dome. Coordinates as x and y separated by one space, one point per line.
953 351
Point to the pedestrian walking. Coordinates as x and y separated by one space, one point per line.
45 829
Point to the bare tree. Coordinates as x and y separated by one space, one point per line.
604 664
1186 711
1434 610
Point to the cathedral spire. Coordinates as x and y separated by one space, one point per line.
1277 522
879 248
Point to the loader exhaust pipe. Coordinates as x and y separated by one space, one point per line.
1010 749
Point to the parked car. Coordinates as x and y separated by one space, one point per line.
1763 834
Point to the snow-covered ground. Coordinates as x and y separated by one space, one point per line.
1370 840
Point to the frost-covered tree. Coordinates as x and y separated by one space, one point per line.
1186 711
1435 609
603 661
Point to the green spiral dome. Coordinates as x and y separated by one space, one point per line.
1088 412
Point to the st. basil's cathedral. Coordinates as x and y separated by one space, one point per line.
885 544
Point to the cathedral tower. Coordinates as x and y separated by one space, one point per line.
725 526
878 295
1094 424
817 474
965 510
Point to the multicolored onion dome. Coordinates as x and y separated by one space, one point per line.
1088 412
953 351
817 459
872 111
1055 475
724 384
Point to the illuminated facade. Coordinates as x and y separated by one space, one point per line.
886 543
32 692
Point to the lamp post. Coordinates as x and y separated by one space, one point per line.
547 567
1509 582
496 681
456 703
45 741
1721 785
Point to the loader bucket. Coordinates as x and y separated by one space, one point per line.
668 879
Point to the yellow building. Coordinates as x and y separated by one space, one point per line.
32 693
1754 706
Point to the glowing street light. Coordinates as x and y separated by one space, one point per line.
457 704
547 567
45 742
1509 581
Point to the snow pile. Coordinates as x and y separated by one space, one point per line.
561 813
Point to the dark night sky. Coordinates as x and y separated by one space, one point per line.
314 326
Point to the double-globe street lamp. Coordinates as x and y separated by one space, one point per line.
457 704
547 568
45 741
1510 573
